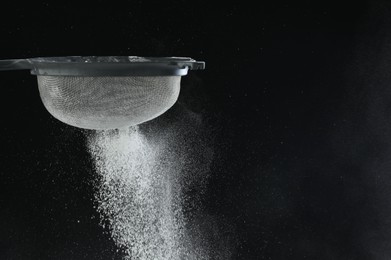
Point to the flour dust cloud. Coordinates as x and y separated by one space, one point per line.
150 190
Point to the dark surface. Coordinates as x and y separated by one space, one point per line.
298 96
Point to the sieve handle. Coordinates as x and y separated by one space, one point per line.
15 64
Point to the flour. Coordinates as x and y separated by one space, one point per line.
143 190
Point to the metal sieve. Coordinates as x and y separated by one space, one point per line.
106 92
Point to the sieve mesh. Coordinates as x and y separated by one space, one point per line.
107 102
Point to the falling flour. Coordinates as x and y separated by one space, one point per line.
144 190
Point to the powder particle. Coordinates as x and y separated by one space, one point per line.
136 197
143 191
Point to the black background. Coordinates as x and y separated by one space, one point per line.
297 96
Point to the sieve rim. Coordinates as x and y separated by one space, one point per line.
105 65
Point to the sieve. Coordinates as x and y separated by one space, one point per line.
106 92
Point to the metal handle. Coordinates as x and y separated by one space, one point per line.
15 64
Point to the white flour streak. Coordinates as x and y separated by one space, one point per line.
142 192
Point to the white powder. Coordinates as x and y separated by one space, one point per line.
144 187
